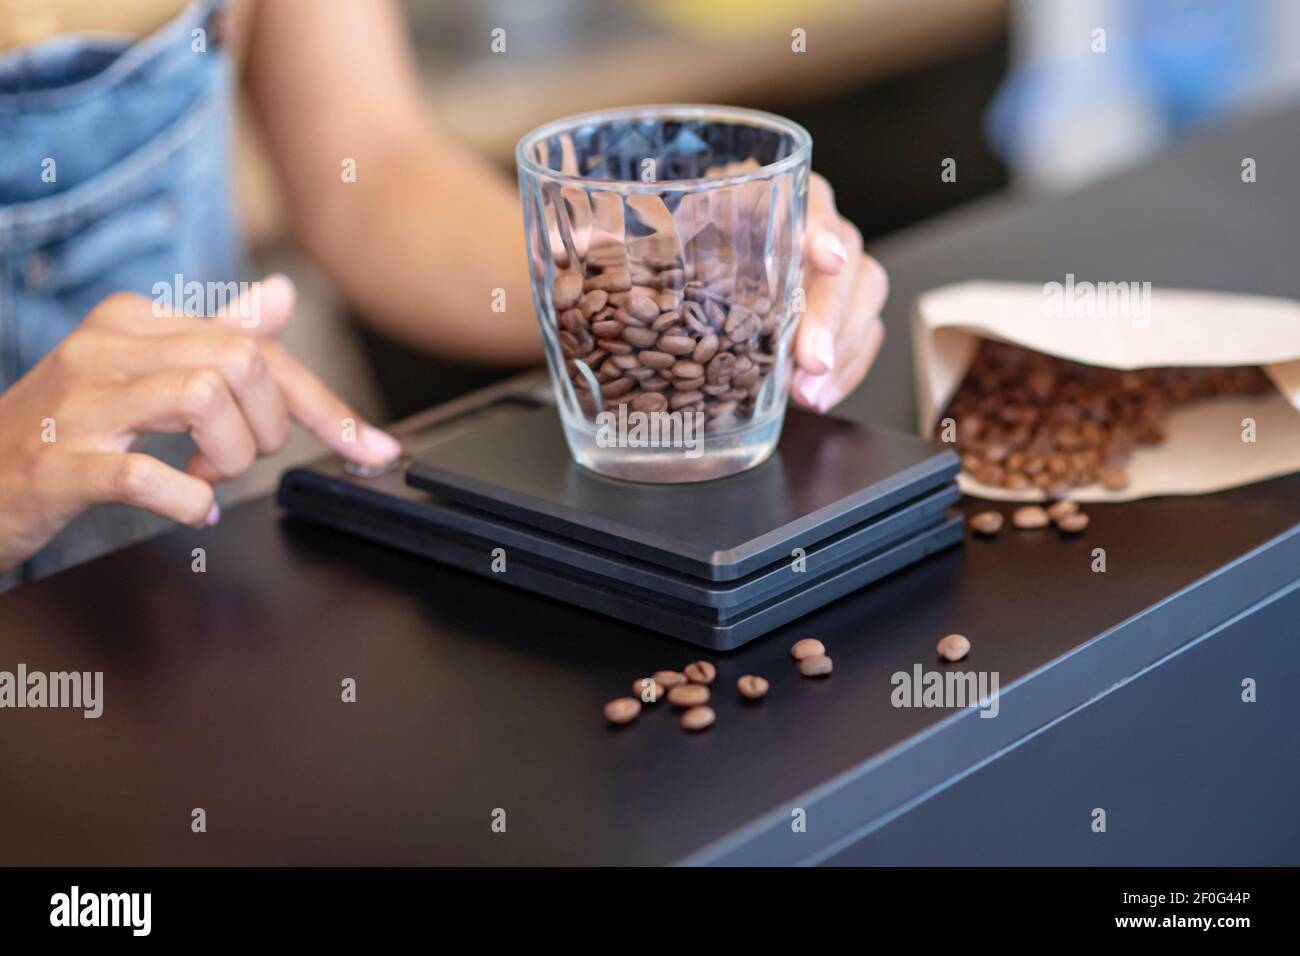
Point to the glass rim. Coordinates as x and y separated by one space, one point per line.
801 153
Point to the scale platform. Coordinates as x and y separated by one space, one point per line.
716 563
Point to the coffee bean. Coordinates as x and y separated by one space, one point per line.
694 317
669 679
682 399
700 672
817 666
641 338
721 368
688 695
676 344
808 647
1029 517
1059 509
752 687
616 280
592 302
705 350
954 647
1112 477
622 710
608 329
986 522
642 307
654 359
569 345
672 279
1072 523
648 690
668 301
685 368
689 384
669 320
566 292
627 318
649 402
698 718
620 386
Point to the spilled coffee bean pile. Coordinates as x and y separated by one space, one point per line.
1027 420
664 335
689 687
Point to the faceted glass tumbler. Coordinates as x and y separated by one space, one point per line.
665 249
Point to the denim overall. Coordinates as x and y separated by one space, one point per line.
114 175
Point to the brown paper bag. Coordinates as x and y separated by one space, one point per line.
1131 326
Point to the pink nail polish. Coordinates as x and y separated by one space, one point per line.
807 386
380 444
828 399
830 244
214 515
824 347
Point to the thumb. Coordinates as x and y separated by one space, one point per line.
264 309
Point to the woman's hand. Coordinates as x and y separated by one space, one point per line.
67 427
840 332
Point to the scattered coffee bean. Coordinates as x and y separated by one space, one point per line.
808 647
1059 509
688 695
819 665
986 522
954 647
669 679
1029 517
698 718
752 687
623 710
1073 523
648 690
700 672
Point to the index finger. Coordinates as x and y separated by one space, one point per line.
326 415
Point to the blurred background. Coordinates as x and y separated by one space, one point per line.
1027 96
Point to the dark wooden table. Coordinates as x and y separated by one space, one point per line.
1119 691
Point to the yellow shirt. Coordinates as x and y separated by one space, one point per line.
23 22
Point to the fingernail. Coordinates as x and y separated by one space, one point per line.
829 244
807 386
280 277
214 515
828 398
823 347
380 444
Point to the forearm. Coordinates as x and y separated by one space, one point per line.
430 248
419 233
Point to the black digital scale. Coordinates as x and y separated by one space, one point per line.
488 486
